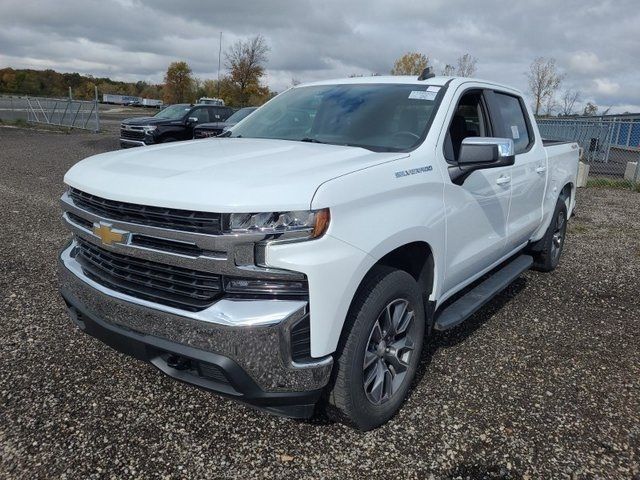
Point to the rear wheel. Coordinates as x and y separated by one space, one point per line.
380 350
547 255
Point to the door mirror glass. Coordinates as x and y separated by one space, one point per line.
486 152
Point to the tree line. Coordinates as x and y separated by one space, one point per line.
49 83
240 85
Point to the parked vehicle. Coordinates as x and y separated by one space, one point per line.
211 101
173 123
310 254
119 99
216 128
152 102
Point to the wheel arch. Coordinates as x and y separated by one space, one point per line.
414 257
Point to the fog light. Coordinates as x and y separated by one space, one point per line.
265 287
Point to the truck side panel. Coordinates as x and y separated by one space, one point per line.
562 162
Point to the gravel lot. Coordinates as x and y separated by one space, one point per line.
543 383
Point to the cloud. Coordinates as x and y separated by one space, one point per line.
311 40
605 86
585 62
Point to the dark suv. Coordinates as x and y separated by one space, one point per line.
175 122
214 129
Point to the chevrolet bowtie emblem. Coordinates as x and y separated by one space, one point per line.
109 235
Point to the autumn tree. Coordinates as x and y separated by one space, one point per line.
411 63
448 70
544 80
178 83
590 109
466 65
568 101
246 60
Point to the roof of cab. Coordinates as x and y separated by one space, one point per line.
407 80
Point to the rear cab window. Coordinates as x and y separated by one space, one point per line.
514 121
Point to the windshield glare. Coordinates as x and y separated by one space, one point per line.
240 114
174 112
380 117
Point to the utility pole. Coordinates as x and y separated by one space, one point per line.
219 57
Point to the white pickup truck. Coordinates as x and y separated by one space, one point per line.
304 259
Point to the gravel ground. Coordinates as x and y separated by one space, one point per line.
543 383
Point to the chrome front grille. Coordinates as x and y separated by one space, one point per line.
132 134
175 219
169 285
158 259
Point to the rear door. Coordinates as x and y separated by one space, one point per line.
477 209
529 172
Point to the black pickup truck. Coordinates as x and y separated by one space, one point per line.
175 122
214 129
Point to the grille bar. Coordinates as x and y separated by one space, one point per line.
132 134
176 219
174 286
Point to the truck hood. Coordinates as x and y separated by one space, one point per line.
221 174
142 121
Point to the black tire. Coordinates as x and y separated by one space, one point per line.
547 251
169 139
384 290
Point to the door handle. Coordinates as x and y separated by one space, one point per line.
503 180
541 169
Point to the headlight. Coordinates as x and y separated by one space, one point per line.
149 128
302 223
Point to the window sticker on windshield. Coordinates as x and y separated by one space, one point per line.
433 88
422 95
515 133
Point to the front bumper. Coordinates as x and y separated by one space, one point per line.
247 363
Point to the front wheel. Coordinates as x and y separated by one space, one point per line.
380 349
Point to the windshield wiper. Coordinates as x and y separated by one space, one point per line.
311 140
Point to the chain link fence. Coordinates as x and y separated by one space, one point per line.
610 147
64 112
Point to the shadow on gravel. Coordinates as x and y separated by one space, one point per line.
481 472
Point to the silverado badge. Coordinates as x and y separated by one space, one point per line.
109 235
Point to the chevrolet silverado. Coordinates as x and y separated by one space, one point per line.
304 259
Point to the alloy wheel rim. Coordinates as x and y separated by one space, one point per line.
388 352
558 236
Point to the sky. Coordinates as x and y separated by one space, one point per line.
596 44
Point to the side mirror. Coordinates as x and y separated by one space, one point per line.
192 120
478 153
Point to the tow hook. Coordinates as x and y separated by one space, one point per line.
178 362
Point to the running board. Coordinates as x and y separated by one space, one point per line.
471 301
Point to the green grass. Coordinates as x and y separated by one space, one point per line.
614 183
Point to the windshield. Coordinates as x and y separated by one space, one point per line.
380 117
173 112
240 114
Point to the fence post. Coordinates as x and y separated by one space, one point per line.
97 111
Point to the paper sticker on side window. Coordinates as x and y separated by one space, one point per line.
515 133
422 95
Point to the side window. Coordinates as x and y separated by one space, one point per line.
513 118
202 114
218 114
469 120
